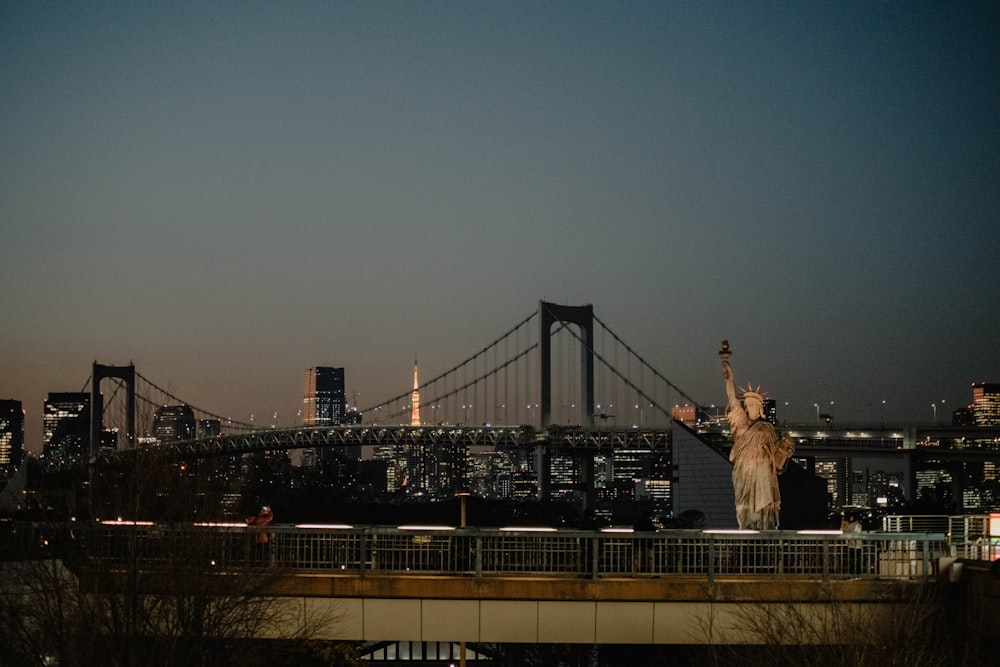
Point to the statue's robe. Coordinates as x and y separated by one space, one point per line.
758 457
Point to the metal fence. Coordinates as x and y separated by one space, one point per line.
915 523
969 537
481 552
968 534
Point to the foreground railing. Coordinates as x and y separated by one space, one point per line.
969 535
486 552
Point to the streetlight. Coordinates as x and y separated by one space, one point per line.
816 405
934 408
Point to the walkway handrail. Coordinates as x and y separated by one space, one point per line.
969 535
487 552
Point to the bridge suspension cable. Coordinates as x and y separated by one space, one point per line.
642 361
471 391
453 372
224 420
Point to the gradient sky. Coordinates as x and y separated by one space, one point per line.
227 193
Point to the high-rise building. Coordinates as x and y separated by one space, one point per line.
174 422
323 404
986 403
209 428
770 410
11 436
323 396
66 424
963 417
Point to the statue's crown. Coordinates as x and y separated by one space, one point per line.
751 393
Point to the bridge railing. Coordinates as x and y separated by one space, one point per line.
484 552
968 534
969 537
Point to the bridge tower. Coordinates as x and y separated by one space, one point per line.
127 375
583 317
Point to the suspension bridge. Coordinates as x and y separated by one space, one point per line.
558 385
560 370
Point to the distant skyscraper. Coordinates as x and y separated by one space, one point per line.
963 417
986 403
209 428
415 399
66 424
352 417
174 422
323 404
323 396
11 436
770 409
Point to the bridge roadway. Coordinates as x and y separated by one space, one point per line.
425 583
436 437
951 443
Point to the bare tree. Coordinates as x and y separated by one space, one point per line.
162 593
916 630
166 598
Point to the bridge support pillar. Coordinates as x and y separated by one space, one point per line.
127 375
583 317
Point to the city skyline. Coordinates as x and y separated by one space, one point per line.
228 195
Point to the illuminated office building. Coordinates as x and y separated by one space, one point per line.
986 404
209 428
770 410
656 492
11 436
830 471
566 476
66 424
323 404
174 422
323 396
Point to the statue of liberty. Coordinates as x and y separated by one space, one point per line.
758 455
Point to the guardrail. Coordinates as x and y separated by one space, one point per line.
969 537
484 552
916 523
968 534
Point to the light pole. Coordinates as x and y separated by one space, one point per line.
462 496
934 407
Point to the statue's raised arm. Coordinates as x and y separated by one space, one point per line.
727 374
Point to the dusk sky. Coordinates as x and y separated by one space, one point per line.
227 193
